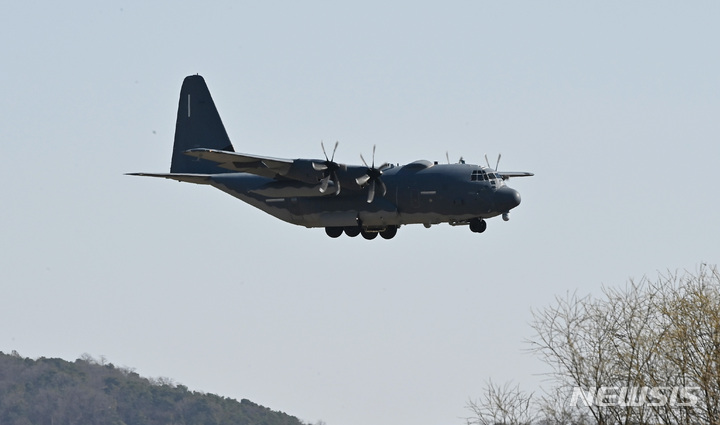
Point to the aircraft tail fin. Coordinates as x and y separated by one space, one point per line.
198 125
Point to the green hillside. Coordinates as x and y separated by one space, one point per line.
58 392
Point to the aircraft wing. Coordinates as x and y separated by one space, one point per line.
307 171
507 174
242 163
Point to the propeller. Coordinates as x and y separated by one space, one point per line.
371 178
329 168
496 164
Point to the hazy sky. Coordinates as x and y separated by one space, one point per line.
615 106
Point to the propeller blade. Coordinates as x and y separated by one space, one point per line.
383 188
373 161
486 161
332 158
498 161
371 192
362 180
322 145
337 183
324 184
319 167
363 160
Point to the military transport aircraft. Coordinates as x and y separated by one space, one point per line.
354 199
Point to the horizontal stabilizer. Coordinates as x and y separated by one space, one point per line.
189 178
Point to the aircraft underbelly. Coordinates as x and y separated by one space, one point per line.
276 199
350 212
432 218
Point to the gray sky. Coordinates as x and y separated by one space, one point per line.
614 105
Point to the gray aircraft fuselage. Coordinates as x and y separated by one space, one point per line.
417 193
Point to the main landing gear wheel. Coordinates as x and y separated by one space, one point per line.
352 231
389 232
368 235
334 232
478 225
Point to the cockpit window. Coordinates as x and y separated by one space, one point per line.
481 175
495 178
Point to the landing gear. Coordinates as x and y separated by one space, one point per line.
389 232
478 225
334 232
352 231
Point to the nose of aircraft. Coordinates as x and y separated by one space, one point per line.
506 199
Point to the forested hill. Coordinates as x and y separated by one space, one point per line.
88 391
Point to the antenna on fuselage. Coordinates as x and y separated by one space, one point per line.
447 156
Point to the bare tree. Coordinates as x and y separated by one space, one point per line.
660 334
554 408
501 405
574 337
691 346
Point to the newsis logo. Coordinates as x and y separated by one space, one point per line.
636 396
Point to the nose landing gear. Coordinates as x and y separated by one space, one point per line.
478 225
